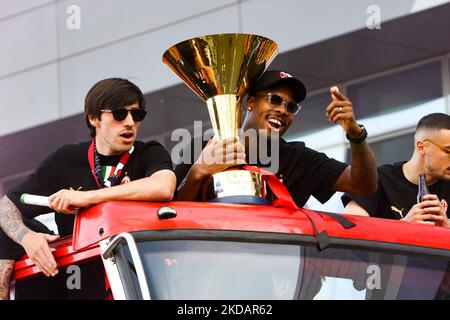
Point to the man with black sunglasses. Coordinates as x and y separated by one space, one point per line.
271 106
119 114
396 195
112 166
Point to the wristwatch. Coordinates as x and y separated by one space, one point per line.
359 138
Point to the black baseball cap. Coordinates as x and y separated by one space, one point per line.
275 77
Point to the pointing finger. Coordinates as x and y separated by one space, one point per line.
336 94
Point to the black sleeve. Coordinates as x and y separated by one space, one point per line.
371 203
44 181
322 174
181 171
189 155
154 157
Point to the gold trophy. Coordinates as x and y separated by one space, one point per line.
219 68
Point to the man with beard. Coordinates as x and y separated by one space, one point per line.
396 196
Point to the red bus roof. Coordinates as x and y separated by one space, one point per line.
110 218
107 219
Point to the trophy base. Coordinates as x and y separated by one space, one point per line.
242 200
238 186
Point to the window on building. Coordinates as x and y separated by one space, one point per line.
391 150
396 91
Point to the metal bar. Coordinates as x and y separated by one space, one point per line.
134 256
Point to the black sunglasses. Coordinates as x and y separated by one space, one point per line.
119 114
290 106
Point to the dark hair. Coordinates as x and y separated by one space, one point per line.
110 94
434 121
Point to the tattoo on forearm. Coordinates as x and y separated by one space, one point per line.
6 268
11 220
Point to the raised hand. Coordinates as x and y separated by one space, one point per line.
340 111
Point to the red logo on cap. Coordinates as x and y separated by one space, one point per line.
285 75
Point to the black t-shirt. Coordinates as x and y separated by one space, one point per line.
395 194
68 167
304 171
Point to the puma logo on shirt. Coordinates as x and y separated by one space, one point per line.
400 212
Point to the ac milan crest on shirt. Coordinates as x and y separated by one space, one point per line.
125 179
444 204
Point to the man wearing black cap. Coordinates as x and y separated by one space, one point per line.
271 106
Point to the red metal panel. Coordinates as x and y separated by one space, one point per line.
64 256
115 217
111 218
